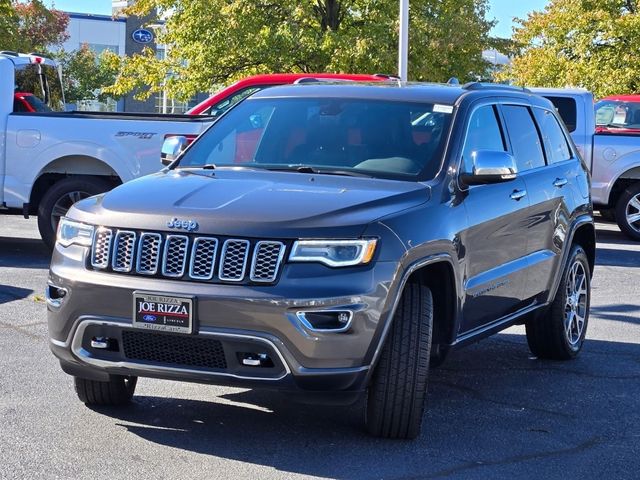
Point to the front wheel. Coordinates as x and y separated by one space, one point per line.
60 197
117 391
398 389
559 333
628 212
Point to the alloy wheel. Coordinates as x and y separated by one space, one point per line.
575 311
632 212
63 204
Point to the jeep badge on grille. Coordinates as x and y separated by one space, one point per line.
188 225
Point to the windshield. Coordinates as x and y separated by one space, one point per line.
614 113
378 138
43 83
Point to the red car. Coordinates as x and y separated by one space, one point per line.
28 102
231 95
618 114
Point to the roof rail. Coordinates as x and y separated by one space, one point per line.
320 80
453 81
493 86
9 53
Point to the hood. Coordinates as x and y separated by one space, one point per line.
252 204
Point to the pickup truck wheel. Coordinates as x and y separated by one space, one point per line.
398 389
559 333
117 391
58 199
628 212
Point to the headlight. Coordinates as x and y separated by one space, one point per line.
74 233
334 253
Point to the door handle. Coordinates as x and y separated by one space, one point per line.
560 182
518 194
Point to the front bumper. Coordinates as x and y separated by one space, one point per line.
241 319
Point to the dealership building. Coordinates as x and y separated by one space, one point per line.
124 35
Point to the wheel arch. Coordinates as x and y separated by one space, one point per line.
629 177
65 167
428 271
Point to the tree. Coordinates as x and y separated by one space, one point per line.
85 74
213 42
593 44
31 26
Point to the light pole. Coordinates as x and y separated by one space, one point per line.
403 47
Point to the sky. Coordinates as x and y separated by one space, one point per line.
501 10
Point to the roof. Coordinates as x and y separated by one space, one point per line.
390 90
26 58
93 16
623 98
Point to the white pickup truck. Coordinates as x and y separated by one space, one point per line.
613 158
50 158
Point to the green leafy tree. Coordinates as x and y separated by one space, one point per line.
31 26
593 44
213 42
85 74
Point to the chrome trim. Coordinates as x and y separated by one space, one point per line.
143 236
194 250
116 250
256 250
223 258
85 357
300 315
97 231
167 242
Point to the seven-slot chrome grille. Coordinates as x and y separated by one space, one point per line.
186 257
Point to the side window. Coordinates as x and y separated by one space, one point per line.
237 97
483 133
555 142
525 141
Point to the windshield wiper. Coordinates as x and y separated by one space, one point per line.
320 171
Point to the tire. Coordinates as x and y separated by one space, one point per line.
398 389
117 391
628 212
559 333
608 214
59 198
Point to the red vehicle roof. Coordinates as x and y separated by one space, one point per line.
623 98
278 79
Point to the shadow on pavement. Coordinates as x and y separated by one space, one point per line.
23 252
492 410
619 313
617 258
9 293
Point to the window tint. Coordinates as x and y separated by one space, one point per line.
567 110
483 133
555 143
524 137
43 82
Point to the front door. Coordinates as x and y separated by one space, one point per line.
495 240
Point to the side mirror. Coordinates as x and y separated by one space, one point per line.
490 167
171 148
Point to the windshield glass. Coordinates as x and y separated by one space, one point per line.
43 83
614 113
378 138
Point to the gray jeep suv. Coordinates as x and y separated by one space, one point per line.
332 241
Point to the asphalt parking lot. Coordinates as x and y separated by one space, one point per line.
493 411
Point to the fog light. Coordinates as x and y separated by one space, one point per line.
335 321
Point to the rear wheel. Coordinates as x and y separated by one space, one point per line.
117 391
60 197
628 212
559 333
398 389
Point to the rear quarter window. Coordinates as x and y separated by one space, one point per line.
555 142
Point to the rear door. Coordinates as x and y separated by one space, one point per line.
551 189
495 242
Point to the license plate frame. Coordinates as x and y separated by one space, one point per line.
163 313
